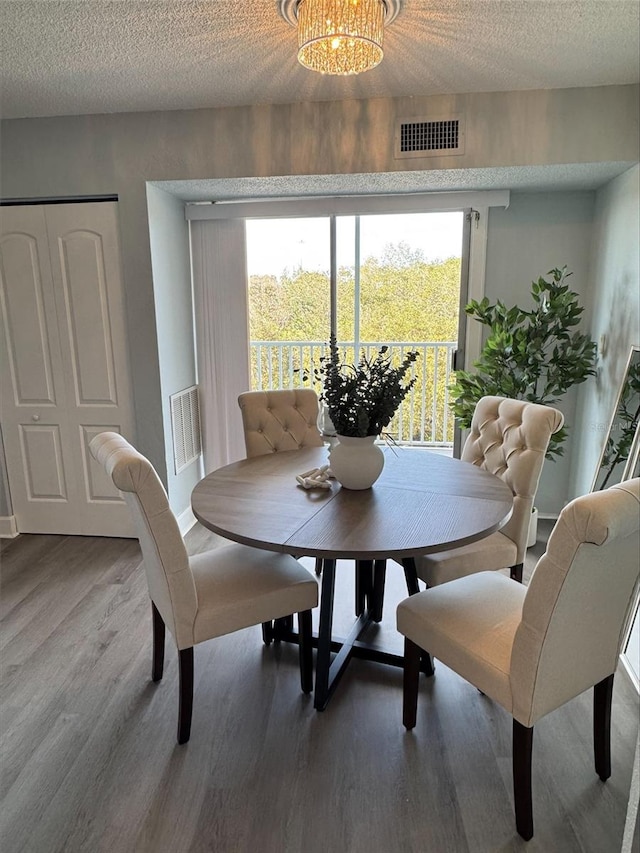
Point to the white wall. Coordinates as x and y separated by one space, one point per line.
536 233
615 307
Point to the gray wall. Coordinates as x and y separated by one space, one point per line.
119 154
170 262
615 308
536 233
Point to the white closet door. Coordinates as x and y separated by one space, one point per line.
64 368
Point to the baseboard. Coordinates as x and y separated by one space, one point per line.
8 529
186 520
553 516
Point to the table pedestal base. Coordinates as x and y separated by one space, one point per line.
334 654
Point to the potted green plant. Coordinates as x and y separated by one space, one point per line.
361 399
528 355
534 355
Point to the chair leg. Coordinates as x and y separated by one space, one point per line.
410 575
379 578
157 665
281 627
306 652
364 584
602 695
410 681
318 566
427 664
522 750
267 633
185 706
516 573
409 565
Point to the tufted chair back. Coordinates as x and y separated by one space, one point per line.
577 606
509 438
279 420
213 593
166 563
532 649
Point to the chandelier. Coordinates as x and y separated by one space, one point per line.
340 36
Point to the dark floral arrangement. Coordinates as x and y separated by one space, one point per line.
362 398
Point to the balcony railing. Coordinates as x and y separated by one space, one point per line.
424 418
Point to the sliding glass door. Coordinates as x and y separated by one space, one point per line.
289 297
392 279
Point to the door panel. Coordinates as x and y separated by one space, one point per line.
85 306
43 464
68 371
99 486
27 301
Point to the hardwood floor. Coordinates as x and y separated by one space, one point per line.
90 761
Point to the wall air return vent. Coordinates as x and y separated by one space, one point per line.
185 423
434 137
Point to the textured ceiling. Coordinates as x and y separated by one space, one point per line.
71 58
570 176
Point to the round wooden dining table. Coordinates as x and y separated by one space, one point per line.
423 502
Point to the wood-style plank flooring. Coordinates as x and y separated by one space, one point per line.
90 761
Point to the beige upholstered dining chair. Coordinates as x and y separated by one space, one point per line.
508 438
531 650
207 595
279 420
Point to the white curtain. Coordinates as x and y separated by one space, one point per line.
219 261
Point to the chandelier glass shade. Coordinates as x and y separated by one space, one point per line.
340 36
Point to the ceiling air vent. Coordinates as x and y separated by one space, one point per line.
429 138
185 423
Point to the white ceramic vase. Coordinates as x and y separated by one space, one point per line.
356 462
